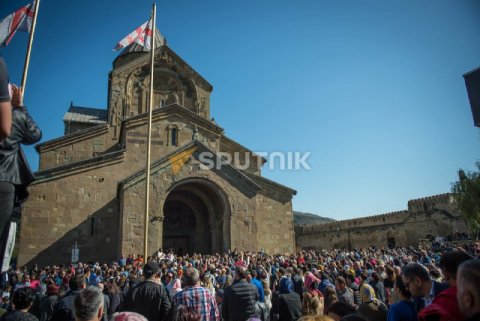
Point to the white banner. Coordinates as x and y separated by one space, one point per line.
12 233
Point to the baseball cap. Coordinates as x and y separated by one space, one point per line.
150 269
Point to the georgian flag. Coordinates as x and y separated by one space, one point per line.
142 35
20 20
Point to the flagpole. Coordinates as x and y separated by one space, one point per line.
149 136
29 48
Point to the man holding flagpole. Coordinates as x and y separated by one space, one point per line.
16 127
15 174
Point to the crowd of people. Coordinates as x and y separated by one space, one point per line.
402 284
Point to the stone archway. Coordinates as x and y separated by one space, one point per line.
196 217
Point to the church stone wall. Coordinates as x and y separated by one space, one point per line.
274 216
74 147
203 103
434 215
80 207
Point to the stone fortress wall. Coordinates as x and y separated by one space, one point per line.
434 215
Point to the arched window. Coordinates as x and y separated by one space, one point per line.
174 137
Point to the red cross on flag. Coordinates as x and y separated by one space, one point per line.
20 20
141 35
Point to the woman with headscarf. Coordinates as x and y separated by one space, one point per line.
286 305
371 308
309 279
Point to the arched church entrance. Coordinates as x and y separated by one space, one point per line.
196 218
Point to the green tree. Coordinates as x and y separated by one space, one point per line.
466 192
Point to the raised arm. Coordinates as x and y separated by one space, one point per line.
5 105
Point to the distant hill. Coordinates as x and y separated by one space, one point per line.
300 218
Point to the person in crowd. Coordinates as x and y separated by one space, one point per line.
314 290
445 304
48 303
344 293
21 302
63 310
238 302
424 258
298 283
364 286
25 282
418 282
312 305
357 268
229 279
309 279
286 305
15 174
404 309
149 298
255 281
208 282
267 294
127 316
115 296
371 308
40 293
185 313
377 285
279 275
389 285
200 299
35 282
88 304
352 285
468 289
324 283
330 296
218 299
174 285
340 309
106 301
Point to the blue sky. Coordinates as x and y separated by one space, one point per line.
373 89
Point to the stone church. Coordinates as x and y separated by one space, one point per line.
90 187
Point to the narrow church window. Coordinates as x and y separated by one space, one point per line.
92 226
174 136
163 102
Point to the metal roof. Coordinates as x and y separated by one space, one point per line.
86 115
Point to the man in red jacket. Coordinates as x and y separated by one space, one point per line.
445 303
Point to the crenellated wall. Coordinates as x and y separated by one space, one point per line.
434 215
